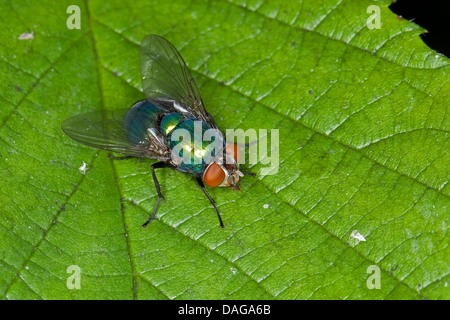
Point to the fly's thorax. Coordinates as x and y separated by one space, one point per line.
190 142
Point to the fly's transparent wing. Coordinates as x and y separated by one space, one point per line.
165 76
105 130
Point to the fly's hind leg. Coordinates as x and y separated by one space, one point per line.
158 189
202 186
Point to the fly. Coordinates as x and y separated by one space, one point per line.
147 129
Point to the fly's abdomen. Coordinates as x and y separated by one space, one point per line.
142 116
170 122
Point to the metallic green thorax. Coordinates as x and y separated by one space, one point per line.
196 156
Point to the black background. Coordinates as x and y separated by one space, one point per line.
433 15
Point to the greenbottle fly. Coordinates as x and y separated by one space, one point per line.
146 130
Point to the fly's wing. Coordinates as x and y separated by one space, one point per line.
105 130
166 77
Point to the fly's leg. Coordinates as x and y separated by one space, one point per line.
248 173
202 186
158 189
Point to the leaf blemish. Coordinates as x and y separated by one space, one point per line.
26 36
358 236
83 168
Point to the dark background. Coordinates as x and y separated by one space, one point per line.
433 15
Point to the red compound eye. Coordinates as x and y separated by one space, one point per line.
214 175
234 150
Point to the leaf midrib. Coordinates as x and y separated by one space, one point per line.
283 200
211 78
133 267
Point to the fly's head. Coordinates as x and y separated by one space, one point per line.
224 173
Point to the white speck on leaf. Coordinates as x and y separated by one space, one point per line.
233 270
26 36
83 168
358 236
265 206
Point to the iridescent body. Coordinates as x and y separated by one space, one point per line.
151 127
144 115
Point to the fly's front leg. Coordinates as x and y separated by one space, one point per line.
202 186
158 189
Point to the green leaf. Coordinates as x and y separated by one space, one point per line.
363 119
